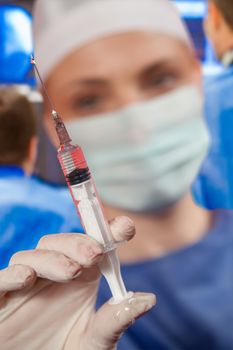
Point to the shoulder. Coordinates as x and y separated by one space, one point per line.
47 195
225 216
222 229
30 197
58 201
220 82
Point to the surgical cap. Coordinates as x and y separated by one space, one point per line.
61 26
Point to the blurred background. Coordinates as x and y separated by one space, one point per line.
16 46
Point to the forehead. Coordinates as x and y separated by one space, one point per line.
122 53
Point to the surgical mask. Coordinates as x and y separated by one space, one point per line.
145 157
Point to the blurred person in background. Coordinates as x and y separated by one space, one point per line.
214 187
28 208
124 76
219 29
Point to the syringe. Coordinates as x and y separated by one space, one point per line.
86 200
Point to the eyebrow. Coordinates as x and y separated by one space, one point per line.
90 82
156 68
99 82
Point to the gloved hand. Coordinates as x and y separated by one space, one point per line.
47 296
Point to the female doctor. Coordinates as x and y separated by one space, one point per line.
123 75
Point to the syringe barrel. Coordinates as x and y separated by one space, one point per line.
91 214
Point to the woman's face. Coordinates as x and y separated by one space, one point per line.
119 70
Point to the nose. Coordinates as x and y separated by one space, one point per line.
127 94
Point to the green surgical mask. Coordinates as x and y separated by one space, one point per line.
145 157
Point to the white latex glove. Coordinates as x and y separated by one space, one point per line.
47 296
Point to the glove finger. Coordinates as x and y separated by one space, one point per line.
48 264
78 247
123 228
15 278
81 248
112 320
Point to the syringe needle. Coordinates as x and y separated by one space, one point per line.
33 62
62 133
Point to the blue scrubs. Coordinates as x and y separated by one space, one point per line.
194 288
213 188
30 209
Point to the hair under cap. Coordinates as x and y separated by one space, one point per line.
61 26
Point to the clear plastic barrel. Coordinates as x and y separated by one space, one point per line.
91 214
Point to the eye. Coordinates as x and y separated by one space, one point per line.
87 103
160 81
